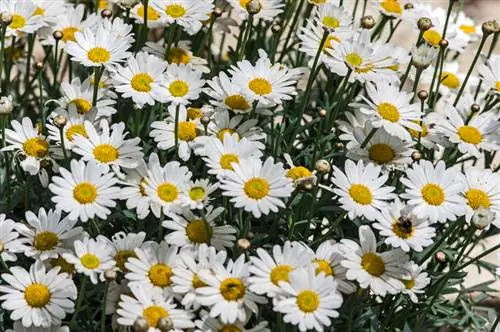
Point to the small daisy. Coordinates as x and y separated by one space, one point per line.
74 126
429 135
391 8
227 294
9 239
257 187
361 189
46 235
37 297
309 300
197 193
482 191
152 306
490 73
210 324
298 174
86 191
416 283
110 147
186 13
23 20
183 84
467 28
434 191
141 79
138 13
403 230
18 327
381 272
179 54
49 11
269 270
333 17
123 245
228 96
270 9
451 78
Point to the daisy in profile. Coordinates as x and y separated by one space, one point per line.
86 191
361 189
183 84
18 327
91 257
429 135
122 246
9 239
417 281
220 155
482 191
228 96
23 20
391 8
489 71
403 230
257 187
190 230
179 54
110 148
188 14
152 306
74 126
270 9
381 272
434 192
268 270
37 297
138 12
308 300
206 323
391 109
226 292
47 235
298 174
141 79
197 193
467 28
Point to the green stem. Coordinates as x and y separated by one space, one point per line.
2 52
42 108
246 37
495 324
103 307
490 52
415 84
368 138
450 6
170 39
439 79
31 43
81 295
54 64
144 32
478 257
291 29
380 27
434 75
65 153
97 77
176 127
431 250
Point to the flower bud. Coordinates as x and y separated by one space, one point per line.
490 27
339 145
110 275
440 257
408 6
276 28
306 185
422 95
474 108
127 3
367 22
5 18
6 105
58 35
423 56
60 121
106 13
217 12
322 166
140 325
253 7
482 218
443 43
39 65
250 235
165 324
424 24
416 156
205 120
323 113
243 244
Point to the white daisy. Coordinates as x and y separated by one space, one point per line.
183 84
197 193
391 8
210 324
74 126
482 191
123 245
37 297
298 174
381 272
434 191
9 239
466 27
228 96
333 17
18 327
416 282
186 13
23 20
85 192
403 230
270 9
178 54
309 300
490 73
137 12
49 11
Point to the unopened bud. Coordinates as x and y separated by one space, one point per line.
140 325
443 43
250 235
474 108
205 120
323 113
482 218
422 95
165 324
127 3
367 22
106 13
276 28
339 145
60 121
39 65
58 35
424 24
440 257
408 6
110 275
490 27
416 156
6 105
253 7
243 244
217 12
322 166
5 18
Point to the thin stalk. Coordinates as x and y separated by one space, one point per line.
393 29
81 295
355 9
478 257
246 37
439 79
436 68
103 307
490 52
364 7
171 33
65 153
176 127
144 31
97 77
450 6
431 250
2 52
206 36
368 138
332 117
31 43
54 64
291 29
421 122
9 64
407 72
415 84
42 108
380 27
495 324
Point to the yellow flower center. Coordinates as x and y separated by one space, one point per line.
322 265
353 59
497 86
175 10
298 172
105 153
409 284
178 56
328 43
331 22
280 273
160 274
77 129
237 102
226 160
45 241
197 193
178 88
381 153
256 188
69 34
231 327
197 282
121 258
433 194
425 130
388 112
392 6
469 134
82 106
232 289
90 261
85 193
18 22
308 301
36 147
167 192
373 264
318 2
432 37
222 132
194 113
153 15
38 11
403 229
468 29
63 264
142 187
37 295
243 3
199 231
141 82
260 86
477 198
450 80
361 194
187 131
98 55
153 314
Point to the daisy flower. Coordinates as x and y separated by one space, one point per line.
391 8
467 28
86 191
429 135
451 78
210 324
269 84
47 235
49 11
23 20
416 283
190 230
138 13
482 191
165 186
381 272
186 13
333 17
269 270
74 126
309 300
489 71
18 327
257 187
197 193
110 147
403 230
183 84
298 174
91 257
141 79
270 9
123 245
361 189
434 192
227 294
9 238
37 297
152 306
179 54
227 96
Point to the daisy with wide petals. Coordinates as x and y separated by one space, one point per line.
416 282
179 54
228 96
333 17
23 20
122 246
37 297
299 174
183 84
490 73
269 10
197 193
9 239
74 126
482 191
186 13
434 192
